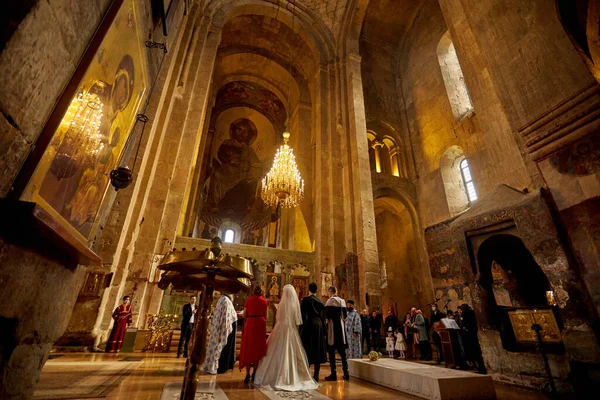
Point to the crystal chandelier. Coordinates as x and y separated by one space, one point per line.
82 140
283 184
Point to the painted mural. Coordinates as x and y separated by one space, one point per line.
72 178
244 127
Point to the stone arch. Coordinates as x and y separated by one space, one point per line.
313 30
399 204
454 186
454 80
385 152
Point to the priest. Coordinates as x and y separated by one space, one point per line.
353 332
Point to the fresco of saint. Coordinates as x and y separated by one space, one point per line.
232 188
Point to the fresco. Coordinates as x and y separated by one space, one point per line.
73 175
241 153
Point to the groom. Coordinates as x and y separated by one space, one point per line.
313 329
335 312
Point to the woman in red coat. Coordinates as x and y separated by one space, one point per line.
254 335
122 317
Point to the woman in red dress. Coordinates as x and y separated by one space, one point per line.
254 335
122 317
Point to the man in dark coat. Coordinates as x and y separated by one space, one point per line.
187 326
313 329
436 316
390 322
336 313
366 329
375 323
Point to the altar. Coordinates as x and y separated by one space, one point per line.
425 381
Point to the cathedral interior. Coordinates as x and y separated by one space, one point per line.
446 152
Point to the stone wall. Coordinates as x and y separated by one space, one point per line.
456 276
36 64
35 304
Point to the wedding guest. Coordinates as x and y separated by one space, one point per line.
389 343
187 326
391 321
220 350
436 316
122 317
366 330
470 339
400 344
409 334
336 313
424 346
313 332
415 331
375 323
353 332
254 335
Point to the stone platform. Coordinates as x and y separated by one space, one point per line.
426 381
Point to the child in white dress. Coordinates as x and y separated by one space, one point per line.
389 344
400 344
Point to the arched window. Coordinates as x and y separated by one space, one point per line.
458 181
229 236
454 80
383 154
468 180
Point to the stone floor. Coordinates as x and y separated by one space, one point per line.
144 375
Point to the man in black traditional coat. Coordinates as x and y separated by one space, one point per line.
313 329
436 317
336 313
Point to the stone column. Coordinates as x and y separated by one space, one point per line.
41 270
185 129
361 187
136 243
376 146
323 196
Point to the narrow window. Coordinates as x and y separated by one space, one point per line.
454 80
468 180
229 236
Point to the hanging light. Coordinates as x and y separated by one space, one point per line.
82 140
283 186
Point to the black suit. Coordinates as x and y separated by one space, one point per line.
186 330
313 331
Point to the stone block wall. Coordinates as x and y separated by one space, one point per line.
456 279
36 64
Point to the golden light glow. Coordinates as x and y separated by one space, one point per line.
283 184
85 113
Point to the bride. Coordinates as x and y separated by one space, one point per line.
285 367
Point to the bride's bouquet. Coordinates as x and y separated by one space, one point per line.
373 356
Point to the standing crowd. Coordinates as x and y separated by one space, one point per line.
311 332
415 334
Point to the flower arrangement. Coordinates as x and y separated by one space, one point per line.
373 356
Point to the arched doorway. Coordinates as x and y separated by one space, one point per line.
511 279
507 268
404 279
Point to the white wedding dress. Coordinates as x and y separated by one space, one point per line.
285 367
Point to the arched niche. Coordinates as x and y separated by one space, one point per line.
509 278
